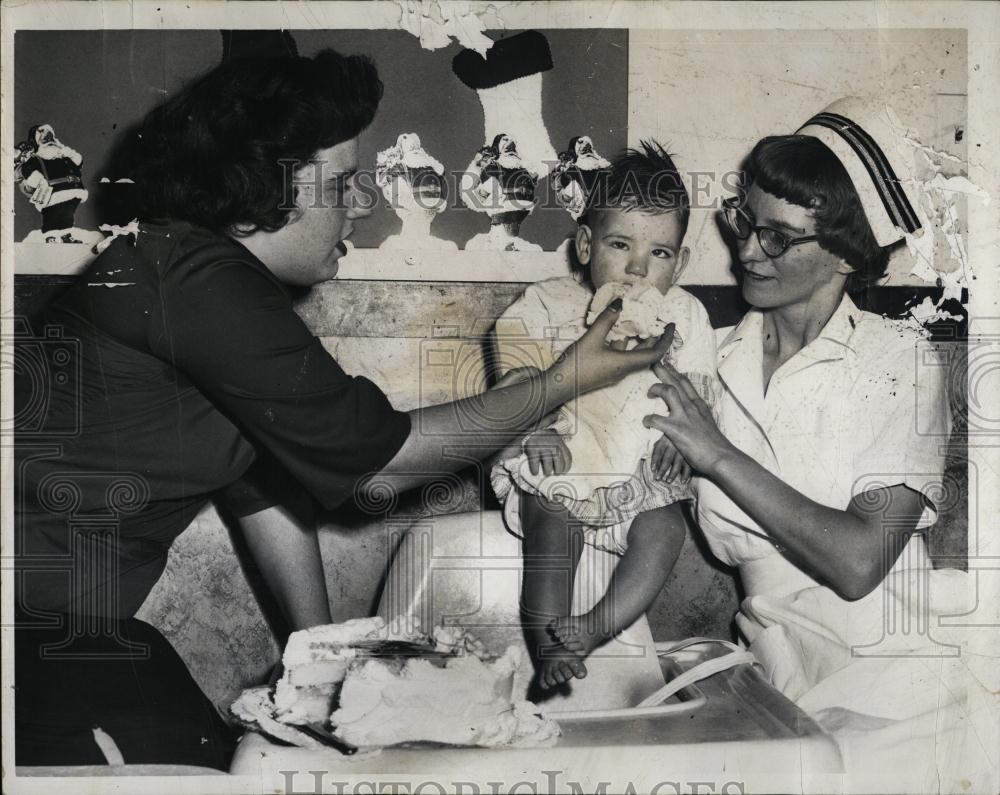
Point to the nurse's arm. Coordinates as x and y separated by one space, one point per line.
850 550
287 553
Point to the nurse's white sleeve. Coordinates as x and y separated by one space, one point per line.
908 408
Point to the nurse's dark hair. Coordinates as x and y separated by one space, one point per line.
222 152
644 179
801 170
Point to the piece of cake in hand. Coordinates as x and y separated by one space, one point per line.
645 311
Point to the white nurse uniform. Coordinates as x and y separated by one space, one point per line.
862 407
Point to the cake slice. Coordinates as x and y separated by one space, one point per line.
462 701
642 314
316 661
387 685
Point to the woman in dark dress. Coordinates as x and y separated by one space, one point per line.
197 381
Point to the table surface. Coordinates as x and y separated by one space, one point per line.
745 729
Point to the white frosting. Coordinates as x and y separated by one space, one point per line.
325 642
459 640
645 310
316 661
467 702
462 700
254 707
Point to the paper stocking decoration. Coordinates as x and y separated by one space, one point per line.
509 84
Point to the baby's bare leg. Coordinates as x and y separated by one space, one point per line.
654 543
553 542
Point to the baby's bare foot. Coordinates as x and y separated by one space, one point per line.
557 665
573 633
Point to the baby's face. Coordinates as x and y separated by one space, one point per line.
633 247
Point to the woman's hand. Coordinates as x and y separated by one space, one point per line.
590 363
691 428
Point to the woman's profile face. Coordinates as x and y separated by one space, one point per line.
306 251
798 274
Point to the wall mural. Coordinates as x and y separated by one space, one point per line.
506 103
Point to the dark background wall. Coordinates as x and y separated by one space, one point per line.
91 85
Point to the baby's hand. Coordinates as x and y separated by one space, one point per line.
547 453
668 464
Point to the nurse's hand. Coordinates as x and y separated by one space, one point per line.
590 363
690 427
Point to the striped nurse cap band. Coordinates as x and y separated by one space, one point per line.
866 142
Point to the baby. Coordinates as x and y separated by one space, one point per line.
596 475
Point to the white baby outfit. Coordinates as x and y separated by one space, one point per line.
610 480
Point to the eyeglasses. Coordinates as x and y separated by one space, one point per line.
772 242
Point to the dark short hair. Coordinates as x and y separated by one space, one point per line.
643 179
801 170
212 154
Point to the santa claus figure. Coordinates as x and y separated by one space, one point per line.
575 175
48 173
412 182
504 189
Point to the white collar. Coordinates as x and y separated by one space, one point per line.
741 352
839 329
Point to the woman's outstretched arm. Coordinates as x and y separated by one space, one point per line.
850 550
451 436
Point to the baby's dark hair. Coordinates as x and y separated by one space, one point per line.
645 180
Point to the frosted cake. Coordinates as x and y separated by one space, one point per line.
455 692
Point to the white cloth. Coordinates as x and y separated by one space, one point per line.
610 480
862 407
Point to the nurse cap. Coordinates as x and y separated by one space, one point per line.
865 139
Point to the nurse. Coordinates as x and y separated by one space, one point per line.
830 462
